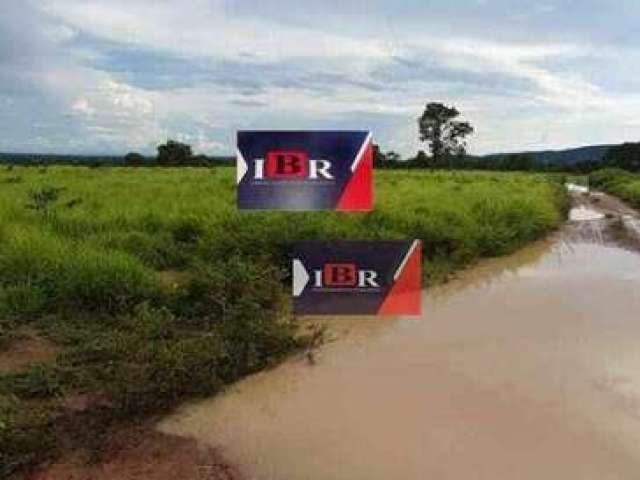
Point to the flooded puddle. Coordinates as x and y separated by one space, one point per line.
525 367
632 225
583 213
575 188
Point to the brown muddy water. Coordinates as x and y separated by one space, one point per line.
526 367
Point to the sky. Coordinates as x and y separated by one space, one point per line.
112 76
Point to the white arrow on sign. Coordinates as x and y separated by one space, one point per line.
241 167
300 277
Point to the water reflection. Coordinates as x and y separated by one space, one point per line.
523 367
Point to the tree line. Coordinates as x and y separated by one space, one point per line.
625 156
175 154
446 136
169 154
439 126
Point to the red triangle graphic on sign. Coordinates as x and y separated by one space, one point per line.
358 194
405 297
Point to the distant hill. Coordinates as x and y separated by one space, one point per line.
568 157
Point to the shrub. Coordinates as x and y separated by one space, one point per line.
44 198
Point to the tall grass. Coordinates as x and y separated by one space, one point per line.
620 183
156 288
97 245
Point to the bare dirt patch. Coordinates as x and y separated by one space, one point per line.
28 347
140 452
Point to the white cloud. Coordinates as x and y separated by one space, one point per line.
201 143
201 30
60 33
81 105
368 70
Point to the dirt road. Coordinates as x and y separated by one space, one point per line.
524 367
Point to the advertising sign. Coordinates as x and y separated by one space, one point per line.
357 277
305 170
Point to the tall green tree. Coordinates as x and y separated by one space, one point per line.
134 159
444 134
174 153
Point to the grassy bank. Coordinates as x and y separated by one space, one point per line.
622 184
152 288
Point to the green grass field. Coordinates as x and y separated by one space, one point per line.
620 183
154 289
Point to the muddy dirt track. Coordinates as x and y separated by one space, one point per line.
524 367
